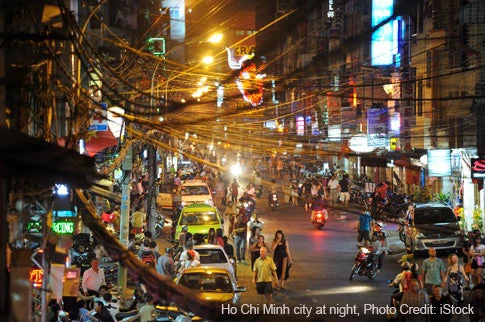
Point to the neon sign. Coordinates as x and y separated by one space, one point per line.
36 276
382 39
63 227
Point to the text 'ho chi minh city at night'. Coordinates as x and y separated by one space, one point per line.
236 160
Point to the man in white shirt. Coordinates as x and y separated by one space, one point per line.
333 186
93 278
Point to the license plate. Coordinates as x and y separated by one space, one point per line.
440 242
319 220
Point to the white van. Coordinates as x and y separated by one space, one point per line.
196 191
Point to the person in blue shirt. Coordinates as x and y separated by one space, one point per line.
364 228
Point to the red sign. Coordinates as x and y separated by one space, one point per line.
36 277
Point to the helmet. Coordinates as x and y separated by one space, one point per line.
185 228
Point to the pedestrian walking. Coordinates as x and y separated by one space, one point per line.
231 212
454 280
240 237
282 258
344 190
93 279
333 187
166 265
211 237
234 190
439 304
253 244
138 220
477 252
414 298
264 272
433 271
364 228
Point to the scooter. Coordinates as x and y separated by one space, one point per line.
363 265
319 218
159 224
274 203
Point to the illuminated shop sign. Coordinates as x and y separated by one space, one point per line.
385 40
36 276
439 163
63 227
478 168
300 125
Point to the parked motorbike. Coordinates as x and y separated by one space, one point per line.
82 260
365 263
82 243
274 202
319 218
159 224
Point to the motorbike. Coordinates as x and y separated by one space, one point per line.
365 263
274 203
401 229
82 260
159 224
319 218
82 243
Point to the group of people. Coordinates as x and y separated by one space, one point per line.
438 284
331 189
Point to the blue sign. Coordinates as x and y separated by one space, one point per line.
98 127
382 39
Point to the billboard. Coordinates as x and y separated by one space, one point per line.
439 163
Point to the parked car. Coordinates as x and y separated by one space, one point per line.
434 225
211 284
215 256
199 218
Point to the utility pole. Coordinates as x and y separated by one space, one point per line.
125 212
151 200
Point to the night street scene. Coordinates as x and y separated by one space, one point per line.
237 160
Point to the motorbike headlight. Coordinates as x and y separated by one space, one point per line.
420 235
457 232
365 250
245 205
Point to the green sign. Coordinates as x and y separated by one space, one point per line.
63 227
157 46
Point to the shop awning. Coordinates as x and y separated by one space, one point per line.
23 156
373 162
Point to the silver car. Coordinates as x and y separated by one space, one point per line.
434 225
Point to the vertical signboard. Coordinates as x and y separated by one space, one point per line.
382 39
439 163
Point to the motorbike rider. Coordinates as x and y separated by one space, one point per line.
272 190
258 184
400 281
381 235
378 253
317 204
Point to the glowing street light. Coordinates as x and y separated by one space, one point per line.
208 60
215 38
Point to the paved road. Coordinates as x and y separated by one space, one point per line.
319 279
322 264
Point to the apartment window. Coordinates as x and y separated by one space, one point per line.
429 63
419 101
240 32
